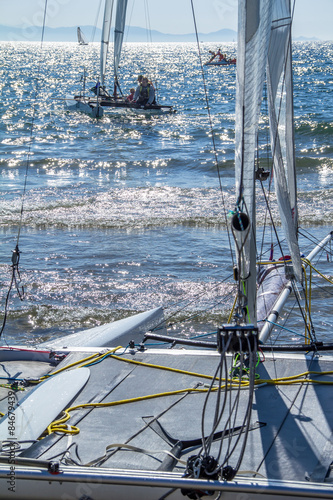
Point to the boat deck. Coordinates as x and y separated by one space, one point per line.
292 442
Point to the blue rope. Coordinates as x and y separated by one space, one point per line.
284 328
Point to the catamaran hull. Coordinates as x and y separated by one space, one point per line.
220 63
79 104
86 107
34 483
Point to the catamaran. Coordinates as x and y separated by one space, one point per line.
221 61
115 98
106 414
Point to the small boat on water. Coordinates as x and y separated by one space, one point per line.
104 99
126 411
80 37
223 62
219 59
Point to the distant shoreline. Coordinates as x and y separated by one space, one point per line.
132 34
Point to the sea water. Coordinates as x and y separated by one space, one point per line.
117 215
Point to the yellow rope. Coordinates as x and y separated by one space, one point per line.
232 309
61 426
320 274
161 367
58 425
85 361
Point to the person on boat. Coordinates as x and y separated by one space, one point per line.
99 90
220 55
213 56
140 78
145 93
130 97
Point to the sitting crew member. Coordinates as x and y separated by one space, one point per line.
130 97
99 90
145 93
221 56
213 56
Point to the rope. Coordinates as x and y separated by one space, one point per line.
224 384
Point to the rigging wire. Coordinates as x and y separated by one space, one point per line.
92 38
15 277
212 132
149 36
275 142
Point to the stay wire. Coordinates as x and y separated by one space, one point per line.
15 278
32 125
275 143
212 131
92 38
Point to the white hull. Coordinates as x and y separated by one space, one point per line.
84 107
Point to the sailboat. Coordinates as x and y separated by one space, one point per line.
106 413
221 61
116 98
80 37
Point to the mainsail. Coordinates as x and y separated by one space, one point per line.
280 105
105 37
119 35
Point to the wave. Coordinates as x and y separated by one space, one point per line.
149 207
313 128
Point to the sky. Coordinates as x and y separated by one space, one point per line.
313 18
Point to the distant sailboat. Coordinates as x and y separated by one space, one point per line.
114 99
80 37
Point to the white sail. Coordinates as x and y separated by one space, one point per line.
105 37
119 34
254 24
80 37
279 84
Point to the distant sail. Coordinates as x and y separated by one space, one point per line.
80 37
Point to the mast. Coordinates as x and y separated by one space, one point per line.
118 38
254 25
105 37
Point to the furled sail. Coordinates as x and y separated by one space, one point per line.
254 25
280 102
119 35
105 37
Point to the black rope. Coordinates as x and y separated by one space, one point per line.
15 280
227 402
